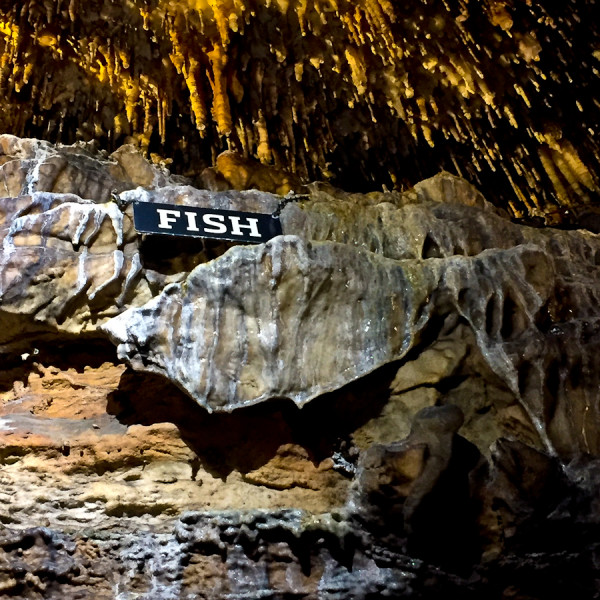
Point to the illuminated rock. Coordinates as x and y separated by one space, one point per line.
31 165
354 284
296 318
385 308
304 362
365 93
65 263
70 255
308 319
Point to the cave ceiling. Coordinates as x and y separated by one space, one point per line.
364 94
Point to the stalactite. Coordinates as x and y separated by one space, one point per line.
263 76
263 149
220 109
194 83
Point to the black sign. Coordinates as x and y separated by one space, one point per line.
232 225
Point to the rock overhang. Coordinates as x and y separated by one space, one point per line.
392 264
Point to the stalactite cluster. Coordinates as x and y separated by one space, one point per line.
361 92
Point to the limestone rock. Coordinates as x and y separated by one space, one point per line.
245 174
318 449
84 444
416 493
69 256
248 201
292 467
145 545
506 281
30 165
369 310
308 320
65 264
523 486
439 252
431 366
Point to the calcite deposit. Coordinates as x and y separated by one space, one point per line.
365 93
395 398
353 286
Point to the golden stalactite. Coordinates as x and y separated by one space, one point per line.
220 109
499 14
358 69
132 97
546 157
176 55
221 9
324 88
580 172
193 79
302 7
263 150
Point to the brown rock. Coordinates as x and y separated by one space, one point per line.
29 165
292 467
416 493
136 168
246 174
524 487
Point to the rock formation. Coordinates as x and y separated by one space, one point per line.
395 398
365 93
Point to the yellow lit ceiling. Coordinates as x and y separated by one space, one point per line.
364 93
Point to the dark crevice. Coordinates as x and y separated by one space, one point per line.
576 373
509 318
169 255
524 371
490 316
431 248
60 350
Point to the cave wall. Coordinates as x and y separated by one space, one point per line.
395 398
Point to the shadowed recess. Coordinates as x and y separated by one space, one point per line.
249 437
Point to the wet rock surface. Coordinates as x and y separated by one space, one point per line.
396 398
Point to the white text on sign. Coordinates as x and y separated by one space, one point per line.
212 223
176 220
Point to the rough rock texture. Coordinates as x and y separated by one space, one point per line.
396 398
307 320
70 255
318 310
361 550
